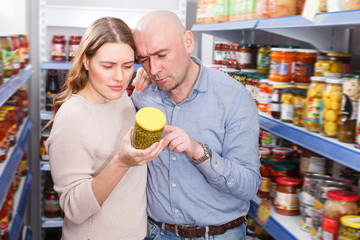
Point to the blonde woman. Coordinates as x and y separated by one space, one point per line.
98 175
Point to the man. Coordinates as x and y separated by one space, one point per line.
202 183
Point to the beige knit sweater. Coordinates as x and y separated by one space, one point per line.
83 139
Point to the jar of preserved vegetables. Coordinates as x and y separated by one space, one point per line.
245 54
286 200
263 60
322 65
265 172
224 53
349 106
331 107
313 104
263 95
299 107
345 58
339 203
149 127
276 98
218 53
350 227
287 105
281 61
304 64
15 42
6 48
51 202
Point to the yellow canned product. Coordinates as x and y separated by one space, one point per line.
331 107
349 228
149 127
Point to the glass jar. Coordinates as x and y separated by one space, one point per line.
224 53
217 52
299 107
281 61
58 48
265 172
282 8
286 200
287 105
282 152
43 153
338 204
245 54
331 107
344 58
51 202
351 4
268 139
15 53
279 169
25 49
357 134
276 98
350 227
263 60
6 47
349 106
263 95
74 43
322 65
304 64
313 104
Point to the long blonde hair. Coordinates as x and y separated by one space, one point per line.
103 30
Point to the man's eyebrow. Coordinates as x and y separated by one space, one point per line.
154 53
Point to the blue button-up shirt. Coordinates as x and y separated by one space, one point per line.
221 113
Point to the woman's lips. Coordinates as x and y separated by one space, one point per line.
116 88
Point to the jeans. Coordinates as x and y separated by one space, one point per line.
154 232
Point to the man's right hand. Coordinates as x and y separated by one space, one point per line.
142 80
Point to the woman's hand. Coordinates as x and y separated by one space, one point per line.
142 80
128 156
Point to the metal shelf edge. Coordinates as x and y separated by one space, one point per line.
28 233
25 134
348 156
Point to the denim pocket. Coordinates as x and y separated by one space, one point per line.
153 231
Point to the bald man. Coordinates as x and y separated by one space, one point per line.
201 185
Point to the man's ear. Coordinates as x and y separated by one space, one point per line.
189 41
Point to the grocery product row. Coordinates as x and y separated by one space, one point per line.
63 50
209 11
298 181
14 54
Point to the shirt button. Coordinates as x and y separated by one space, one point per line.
177 107
215 165
176 211
173 185
173 158
229 183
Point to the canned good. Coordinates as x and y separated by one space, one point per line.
311 181
149 127
306 212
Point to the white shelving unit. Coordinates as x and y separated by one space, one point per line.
319 33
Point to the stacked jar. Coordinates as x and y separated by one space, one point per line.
6 48
263 95
299 106
265 172
263 60
74 43
276 98
287 104
304 65
281 64
58 53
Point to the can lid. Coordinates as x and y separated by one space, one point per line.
342 195
282 150
333 54
291 181
150 118
306 50
351 221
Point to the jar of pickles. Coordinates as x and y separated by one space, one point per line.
331 107
6 48
313 104
276 98
326 64
345 59
349 228
299 106
349 106
287 105
263 60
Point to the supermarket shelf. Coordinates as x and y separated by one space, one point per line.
44 166
329 19
12 84
9 167
51 222
280 226
46 115
331 148
67 66
21 198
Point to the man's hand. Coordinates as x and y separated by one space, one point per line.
142 80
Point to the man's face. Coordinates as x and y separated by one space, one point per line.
163 55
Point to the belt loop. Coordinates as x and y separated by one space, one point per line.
206 232
162 231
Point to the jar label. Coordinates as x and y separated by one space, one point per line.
279 68
286 201
73 49
51 206
265 184
218 55
275 97
312 164
16 59
313 110
275 107
330 228
7 59
263 97
287 111
304 69
245 58
58 49
263 60
349 109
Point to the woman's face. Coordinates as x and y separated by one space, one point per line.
110 71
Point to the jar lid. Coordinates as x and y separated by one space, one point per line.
282 150
284 167
352 76
291 181
279 83
264 151
264 80
248 70
342 195
334 80
352 221
317 79
279 49
332 75
150 118
306 50
332 54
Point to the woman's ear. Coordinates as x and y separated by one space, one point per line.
86 63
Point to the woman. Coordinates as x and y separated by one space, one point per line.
98 175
